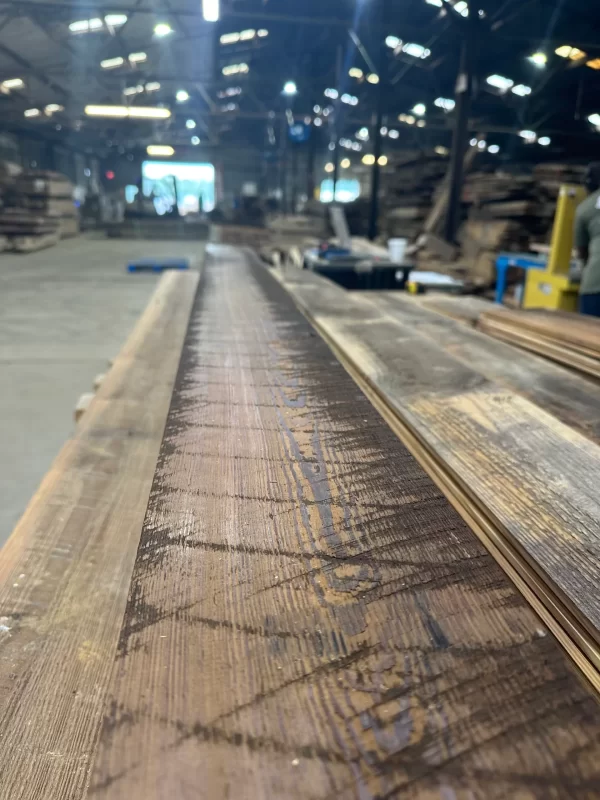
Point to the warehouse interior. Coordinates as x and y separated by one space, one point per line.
300 408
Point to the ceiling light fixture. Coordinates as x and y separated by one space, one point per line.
115 20
182 96
329 167
416 50
393 42
544 141
262 33
137 112
420 109
190 124
86 25
53 108
235 69
32 112
195 140
573 53
290 89
160 150
137 58
357 73
521 90
345 163
13 83
369 160
538 59
382 161
153 86
394 134
162 29
441 150
112 63
445 102
500 82
594 63
493 149
373 78
529 136
332 94
211 10
595 120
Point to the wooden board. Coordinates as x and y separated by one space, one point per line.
533 476
572 399
65 571
308 616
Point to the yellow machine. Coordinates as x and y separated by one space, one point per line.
552 287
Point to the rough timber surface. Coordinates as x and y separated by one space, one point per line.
308 616
535 477
65 571
571 398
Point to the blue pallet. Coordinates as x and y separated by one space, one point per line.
158 264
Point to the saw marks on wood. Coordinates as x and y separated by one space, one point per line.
65 572
308 617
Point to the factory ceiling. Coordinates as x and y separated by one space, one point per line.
266 63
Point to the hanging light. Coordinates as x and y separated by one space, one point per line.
538 59
420 109
182 96
162 29
211 10
160 150
290 89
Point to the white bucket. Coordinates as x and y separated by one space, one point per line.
397 250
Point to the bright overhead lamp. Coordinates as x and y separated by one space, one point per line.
160 150
53 108
473 142
368 160
247 35
357 147
538 59
32 112
182 96
318 122
373 78
129 91
421 123
482 144
190 124
329 167
332 94
230 38
211 10
521 90
235 69
394 134
115 20
500 82
573 53
594 119
153 86
112 63
462 8
345 163
493 149
441 150
437 3
529 136
290 89
262 33
13 83
162 29
195 140
594 63
393 42
357 73
416 50
382 161
445 102
86 25
137 58
420 109
544 141
383 131
349 99
407 118
363 134
136 112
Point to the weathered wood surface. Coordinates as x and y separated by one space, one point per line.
535 477
466 309
66 570
573 399
308 616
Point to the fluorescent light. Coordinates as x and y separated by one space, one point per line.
333 94
416 50
529 136
318 122
115 20
394 134
373 78
382 161
349 99
420 109
112 63
538 59
160 150
13 83
445 102
594 63
329 167
290 89
190 124
137 58
369 160
136 112
53 108
195 140
211 10
32 112
86 25
246 36
462 8
437 3
544 141
230 38
393 42
441 151
521 90
345 163
363 134
355 72
162 29
494 149
482 144
573 53
262 33
500 82
153 86
594 119
182 96
235 69
130 90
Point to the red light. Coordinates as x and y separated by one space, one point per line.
110 175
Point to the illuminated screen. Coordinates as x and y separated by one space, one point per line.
345 190
195 186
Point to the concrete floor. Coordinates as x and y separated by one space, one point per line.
63 313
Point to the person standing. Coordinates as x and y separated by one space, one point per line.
587 242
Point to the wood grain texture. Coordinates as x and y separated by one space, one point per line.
308 616
65 572
533 475
571 398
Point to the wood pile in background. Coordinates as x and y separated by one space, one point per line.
50 194
568 338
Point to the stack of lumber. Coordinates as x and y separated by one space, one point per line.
570 339
520 477
277 601
50 194
409 191
27 231
550 177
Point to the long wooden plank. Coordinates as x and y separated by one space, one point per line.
572 399
308 616
532 475
65 572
